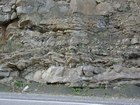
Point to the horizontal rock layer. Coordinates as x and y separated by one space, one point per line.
80 43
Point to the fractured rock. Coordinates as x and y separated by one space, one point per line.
117 68
21 65
4 74
135 41
53 74
38 76
83 6
14 74
104 8
88 71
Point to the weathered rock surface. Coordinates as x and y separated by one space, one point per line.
80 43
7 13
82 6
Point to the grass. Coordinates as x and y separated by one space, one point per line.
80 46
105 94
4 84
127 9
121 95
8 46
9 42
102 87
56 49
112 43
123 86
77 91
20 84
0 38
20 46
58 84
113 62
102 37
69 51
95 34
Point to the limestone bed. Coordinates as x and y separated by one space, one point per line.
79 43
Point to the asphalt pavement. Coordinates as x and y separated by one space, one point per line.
39 99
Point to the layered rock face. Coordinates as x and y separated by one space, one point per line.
80 43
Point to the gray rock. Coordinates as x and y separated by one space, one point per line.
83 6
46 7
104 8
56 41
73 60
53 75
130 55
88 71
4 74
13 16
50 42
12 2
12 66
6 9
126 41
14 74
74 41
5 69
46 62
23 10
135 41
6 80
30 76
99 1
21 65
63 9
5 18
38 76
72 76
117 68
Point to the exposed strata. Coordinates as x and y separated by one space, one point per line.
80 43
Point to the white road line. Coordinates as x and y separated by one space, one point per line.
53 102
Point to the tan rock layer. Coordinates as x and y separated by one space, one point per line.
75 42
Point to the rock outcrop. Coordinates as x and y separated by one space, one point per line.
80 43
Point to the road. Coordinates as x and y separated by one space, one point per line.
38 99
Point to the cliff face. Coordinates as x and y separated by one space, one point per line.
75 42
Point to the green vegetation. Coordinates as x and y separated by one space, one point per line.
112 43
80 47
9 42
77 91
4 84
102 87
20 46
123 86
95 34
58 84
19 84
105 94
102 37
0 38
121 95
56 48
34 12
113 62
127 9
